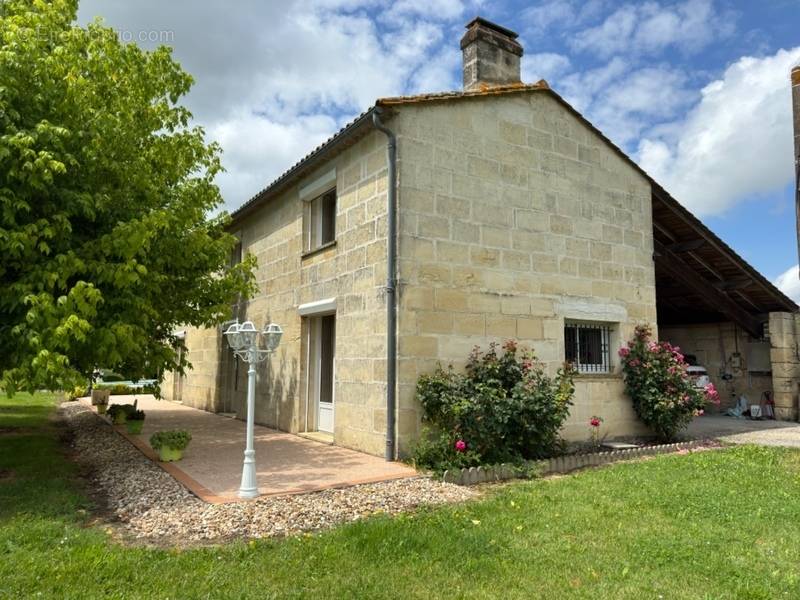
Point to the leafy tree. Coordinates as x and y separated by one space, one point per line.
106 191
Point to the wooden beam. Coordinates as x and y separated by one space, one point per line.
679 270
734 283
663 230
687 246
679 211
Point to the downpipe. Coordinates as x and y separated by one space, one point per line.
391 282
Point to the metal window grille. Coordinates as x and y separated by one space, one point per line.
587 347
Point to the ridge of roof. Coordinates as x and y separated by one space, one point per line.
484 90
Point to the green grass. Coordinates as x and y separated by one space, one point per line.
708 525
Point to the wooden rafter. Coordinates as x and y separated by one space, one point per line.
678 269
687 246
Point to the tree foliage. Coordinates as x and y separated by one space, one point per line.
106 243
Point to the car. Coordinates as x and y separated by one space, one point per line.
698 375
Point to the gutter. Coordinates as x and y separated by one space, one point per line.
391 282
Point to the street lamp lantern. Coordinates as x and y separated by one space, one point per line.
248 333
234 337
272 336
243 340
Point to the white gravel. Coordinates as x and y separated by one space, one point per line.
152 506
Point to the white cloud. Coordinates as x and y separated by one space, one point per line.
259 149
623 100
545 65
276 78
735 143
650 27
789 283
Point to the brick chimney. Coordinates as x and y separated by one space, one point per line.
491 55
796 119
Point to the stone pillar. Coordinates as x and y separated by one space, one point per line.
491 55
783 335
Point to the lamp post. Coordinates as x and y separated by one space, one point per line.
243 340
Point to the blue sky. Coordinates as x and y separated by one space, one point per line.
696 91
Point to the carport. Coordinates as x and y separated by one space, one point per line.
723 312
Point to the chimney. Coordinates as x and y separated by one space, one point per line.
491 55
796 118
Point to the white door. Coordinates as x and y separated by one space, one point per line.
323 330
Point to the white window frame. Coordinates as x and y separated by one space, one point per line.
313 311
604 366
311 195
314 224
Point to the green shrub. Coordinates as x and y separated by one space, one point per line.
663 394
503 408
79 391
176 439
121 389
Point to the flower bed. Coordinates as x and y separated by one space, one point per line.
503 408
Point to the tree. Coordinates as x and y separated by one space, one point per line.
107 245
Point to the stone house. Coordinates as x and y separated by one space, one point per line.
436 222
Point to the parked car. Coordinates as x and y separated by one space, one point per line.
699 375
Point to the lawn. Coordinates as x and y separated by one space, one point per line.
723 524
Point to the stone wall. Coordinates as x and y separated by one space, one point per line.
785 355
353 271
715 345
514 216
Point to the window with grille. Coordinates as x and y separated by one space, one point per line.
586 346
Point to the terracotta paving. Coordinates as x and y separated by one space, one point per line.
286 464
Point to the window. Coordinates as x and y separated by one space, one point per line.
586 346
320 221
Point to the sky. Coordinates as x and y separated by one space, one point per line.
696 91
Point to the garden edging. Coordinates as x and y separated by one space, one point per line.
559 464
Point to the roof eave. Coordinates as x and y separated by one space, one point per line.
324 152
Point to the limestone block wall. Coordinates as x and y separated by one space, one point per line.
785 355
201 388
353 271
714 345
515 216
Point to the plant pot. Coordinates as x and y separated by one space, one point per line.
101 409
134 427
167 454
119 418
100 397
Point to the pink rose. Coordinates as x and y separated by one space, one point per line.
461 446
623 352
594 422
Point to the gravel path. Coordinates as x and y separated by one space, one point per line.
153 506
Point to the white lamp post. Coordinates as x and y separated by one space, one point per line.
243 340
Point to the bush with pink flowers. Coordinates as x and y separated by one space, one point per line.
663 394
503 408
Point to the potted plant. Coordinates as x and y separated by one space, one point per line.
135 422
100 400
170 444
116 415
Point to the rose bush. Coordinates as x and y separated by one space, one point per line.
503 408
664 396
